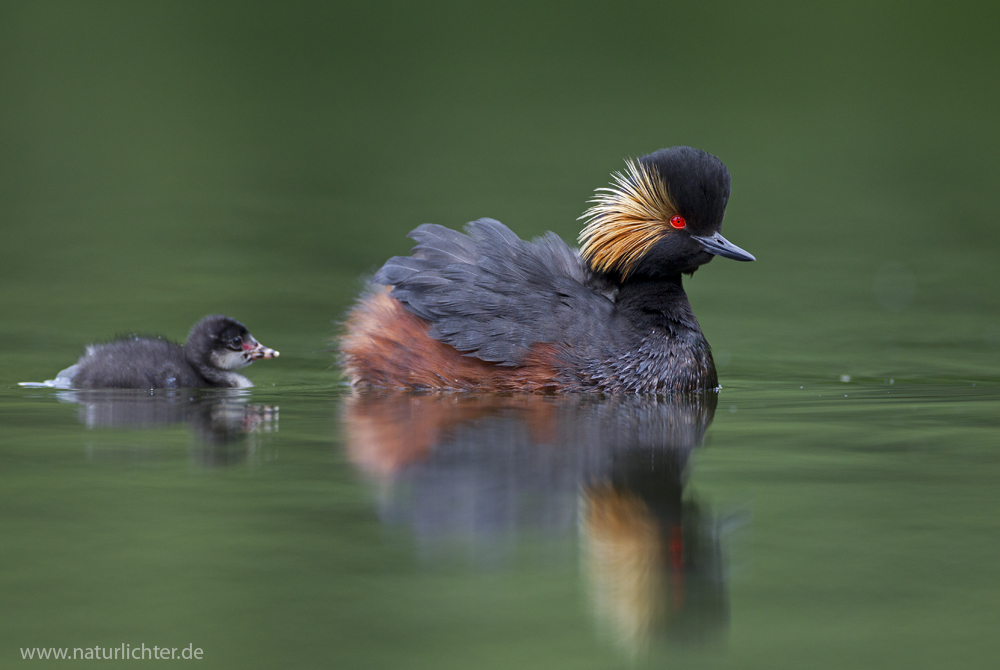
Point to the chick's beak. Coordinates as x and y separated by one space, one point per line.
718 245
260 351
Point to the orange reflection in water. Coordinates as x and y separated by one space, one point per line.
482 468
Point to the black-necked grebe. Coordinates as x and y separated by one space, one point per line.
215 348
487 311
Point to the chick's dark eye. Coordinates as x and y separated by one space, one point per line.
236 342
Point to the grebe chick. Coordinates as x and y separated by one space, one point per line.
487 311
215 348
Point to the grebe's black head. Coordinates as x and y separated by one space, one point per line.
660 218
223 343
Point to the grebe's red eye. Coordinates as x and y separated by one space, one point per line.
678 222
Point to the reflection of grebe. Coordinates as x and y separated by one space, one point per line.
479 468
625 563
387 432
488 311
215 348
654 563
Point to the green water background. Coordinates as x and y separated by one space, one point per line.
158 163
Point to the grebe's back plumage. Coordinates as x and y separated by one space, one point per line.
492 295
487 311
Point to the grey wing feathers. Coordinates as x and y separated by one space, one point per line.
492 295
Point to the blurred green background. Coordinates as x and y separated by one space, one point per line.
162 161
159 162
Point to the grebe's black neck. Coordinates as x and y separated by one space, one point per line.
657 303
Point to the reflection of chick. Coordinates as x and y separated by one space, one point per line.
625 564
222 422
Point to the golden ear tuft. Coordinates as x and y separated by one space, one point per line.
626 219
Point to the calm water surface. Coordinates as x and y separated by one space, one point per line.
835 506
852 521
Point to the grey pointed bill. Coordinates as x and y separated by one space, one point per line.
720 246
